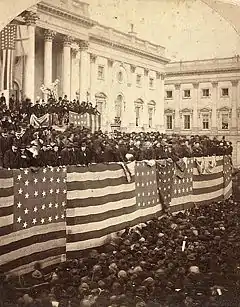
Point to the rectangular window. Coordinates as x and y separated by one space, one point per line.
186 94
137 111
225 92
139 80
169 120
169 94
150 117
205 121
100 72
151 82
225 121
187 122
205 92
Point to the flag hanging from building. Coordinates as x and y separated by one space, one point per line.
8 39
43 121
227 175
182 185
33 220
165 172
208 186
80 120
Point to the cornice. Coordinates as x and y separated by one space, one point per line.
117 45
202 72
64 14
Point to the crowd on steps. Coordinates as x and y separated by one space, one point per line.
188 259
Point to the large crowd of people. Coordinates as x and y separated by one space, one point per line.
22 145
187 259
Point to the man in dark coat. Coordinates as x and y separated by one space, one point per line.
11 157
83 155
5 144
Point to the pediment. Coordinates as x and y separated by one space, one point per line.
224 109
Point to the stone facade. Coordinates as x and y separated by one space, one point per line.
203 97
120 73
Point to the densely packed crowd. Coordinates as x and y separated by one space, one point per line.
22 145
148 265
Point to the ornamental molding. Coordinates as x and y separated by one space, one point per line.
67 40
225 110
30 17
133 68
186 111
169 111
64 14
49 35
235 82
110 62
203 72
93 58
204 111
177 86
126 48
146 72
83 45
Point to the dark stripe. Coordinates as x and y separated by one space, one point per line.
95 168
207 177
214 188
5 211
111 229
6 230
181 207
4 173
96 184
32 240
32 258
93 218
96 201
5 192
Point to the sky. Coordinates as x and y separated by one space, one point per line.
188 29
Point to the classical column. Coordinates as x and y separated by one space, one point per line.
67 65
177 124
93 72
195 127
214 107
110 107
29 86
84 70
48 38
234 105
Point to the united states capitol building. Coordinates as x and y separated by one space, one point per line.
131 81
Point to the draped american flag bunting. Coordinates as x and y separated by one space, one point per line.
208 186
8 38
36 229
182 185
100 202
165 172
227 174
80 120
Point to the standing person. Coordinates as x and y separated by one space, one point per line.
5 144
11 157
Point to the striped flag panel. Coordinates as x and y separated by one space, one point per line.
227 175
36 220
208 187
182 185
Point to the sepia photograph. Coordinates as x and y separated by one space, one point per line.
119 153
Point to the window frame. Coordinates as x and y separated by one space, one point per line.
203 122
169 98
205 89
139 84
186 97
227 116
169 116
103 72
222 90
184 116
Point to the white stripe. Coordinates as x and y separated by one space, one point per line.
6 201
207 196
78 194
27 268
31 249
228 188
6 220
95 176
6 183
181 200
27 233
113 221
8 67
207 183
215 170
123 203
3 68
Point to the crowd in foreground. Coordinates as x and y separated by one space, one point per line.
22 145
148 265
